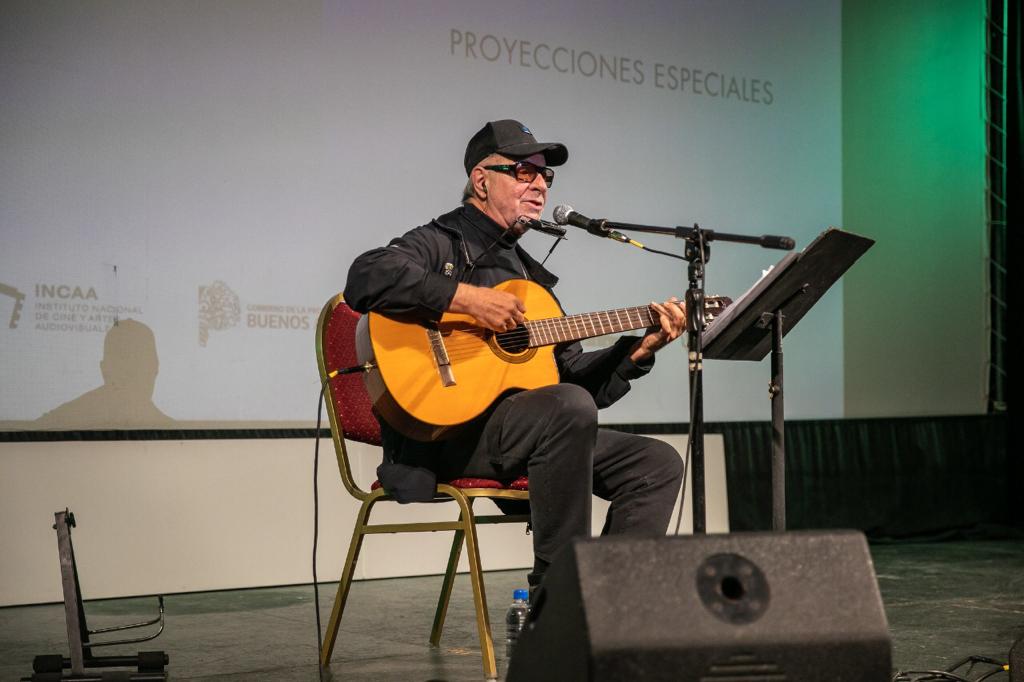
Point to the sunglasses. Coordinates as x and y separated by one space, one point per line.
523 171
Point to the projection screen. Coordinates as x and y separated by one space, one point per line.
184 184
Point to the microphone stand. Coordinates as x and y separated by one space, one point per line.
697 253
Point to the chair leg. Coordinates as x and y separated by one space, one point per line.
446 586
483 621
345 583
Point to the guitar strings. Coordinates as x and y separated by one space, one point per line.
458 346
545 328
575 322
588 323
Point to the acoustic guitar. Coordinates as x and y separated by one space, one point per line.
428 380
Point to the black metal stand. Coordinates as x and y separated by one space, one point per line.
149 665
697 253
756 322
778 428
750 326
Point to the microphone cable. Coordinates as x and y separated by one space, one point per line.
951 673
365 367
316 525
558 240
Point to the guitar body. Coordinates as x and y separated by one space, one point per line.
409 387
429 380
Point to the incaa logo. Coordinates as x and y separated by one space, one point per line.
19 300
65 291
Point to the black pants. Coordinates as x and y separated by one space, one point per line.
551 435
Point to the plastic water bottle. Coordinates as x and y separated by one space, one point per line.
515 619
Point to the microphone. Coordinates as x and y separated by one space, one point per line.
770 241
525 223
567 215
550 228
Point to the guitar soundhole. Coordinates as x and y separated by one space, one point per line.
515 341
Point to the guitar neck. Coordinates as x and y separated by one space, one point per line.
588 325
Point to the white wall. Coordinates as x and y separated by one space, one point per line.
159 517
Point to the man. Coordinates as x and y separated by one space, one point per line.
550 433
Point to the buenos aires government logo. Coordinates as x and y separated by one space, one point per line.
219 309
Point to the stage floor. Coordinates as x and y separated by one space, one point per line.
944 601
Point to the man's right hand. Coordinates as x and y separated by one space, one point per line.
497 310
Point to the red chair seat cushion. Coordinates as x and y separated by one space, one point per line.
521 483
469 482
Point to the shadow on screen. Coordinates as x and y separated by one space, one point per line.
125 400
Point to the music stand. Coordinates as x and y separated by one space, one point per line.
755 323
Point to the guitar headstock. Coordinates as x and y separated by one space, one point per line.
715 306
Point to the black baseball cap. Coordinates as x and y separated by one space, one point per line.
514 140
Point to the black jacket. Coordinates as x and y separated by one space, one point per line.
415 276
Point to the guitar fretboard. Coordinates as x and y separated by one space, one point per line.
587 325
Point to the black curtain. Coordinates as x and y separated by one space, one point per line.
891 478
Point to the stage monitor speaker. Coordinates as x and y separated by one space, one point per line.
737 607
